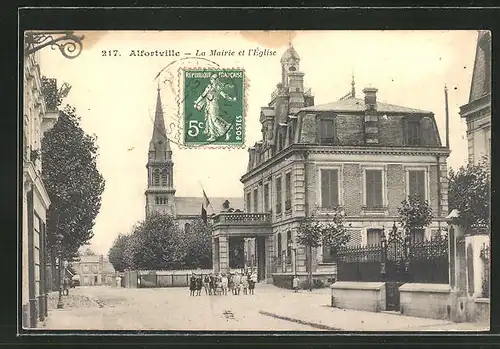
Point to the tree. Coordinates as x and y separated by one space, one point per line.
198 245
469 193
414 214
73 183
155 244
117 251
313 233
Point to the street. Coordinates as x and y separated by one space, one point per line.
106 308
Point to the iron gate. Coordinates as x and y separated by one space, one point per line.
396 260
394 267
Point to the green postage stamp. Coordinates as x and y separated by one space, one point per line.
213 106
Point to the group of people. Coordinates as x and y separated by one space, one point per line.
221 284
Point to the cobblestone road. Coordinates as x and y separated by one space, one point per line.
171 309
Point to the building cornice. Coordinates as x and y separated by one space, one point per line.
32 178
475 106
346 150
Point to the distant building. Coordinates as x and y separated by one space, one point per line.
160 194
94 270
357 153
38 116
477 112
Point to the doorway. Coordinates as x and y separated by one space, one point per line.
260 246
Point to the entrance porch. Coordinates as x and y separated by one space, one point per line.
228 243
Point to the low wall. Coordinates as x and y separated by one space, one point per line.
320 280
426 300
369 296
482 309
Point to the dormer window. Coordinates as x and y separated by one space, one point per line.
412 132
326 131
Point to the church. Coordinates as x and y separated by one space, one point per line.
160 193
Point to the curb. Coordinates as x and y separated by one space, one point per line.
298 321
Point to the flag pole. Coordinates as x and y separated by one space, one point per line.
204 195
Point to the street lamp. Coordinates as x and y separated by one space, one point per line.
59 238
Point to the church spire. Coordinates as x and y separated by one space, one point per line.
159 137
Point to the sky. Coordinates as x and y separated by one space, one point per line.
115 97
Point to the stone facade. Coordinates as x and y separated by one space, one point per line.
349 138
94 270
38 117
477 112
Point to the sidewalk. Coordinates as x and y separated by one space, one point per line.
313 309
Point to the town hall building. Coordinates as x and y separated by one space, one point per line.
160 193
357 153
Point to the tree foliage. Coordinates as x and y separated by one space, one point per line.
116 254
469 192
155 244
198 245
73 182
314 233
414 213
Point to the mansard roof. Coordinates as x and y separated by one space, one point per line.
481 75
358 105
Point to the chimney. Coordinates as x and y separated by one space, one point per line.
370 97
371 117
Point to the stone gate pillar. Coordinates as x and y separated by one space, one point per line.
215 255
224 254
269 242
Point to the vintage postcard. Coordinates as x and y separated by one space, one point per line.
324 181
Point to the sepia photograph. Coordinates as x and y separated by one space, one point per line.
302 180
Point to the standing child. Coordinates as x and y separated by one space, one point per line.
231 283
251 283
206 284
237 282
198 285
225 283
296 283
244 283
192 284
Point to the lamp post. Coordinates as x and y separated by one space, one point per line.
59 238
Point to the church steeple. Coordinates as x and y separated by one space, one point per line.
160 195
159 143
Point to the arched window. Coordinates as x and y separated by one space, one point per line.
187 227
156 177
164 177
157 200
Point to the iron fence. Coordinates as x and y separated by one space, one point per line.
398 259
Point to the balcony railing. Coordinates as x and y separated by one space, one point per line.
242 218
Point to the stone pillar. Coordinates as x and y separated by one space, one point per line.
223 254
475 267
215 255
269 246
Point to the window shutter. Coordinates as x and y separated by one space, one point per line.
373 188
421 184
325 192
334 192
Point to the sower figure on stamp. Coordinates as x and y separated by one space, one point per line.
215 126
